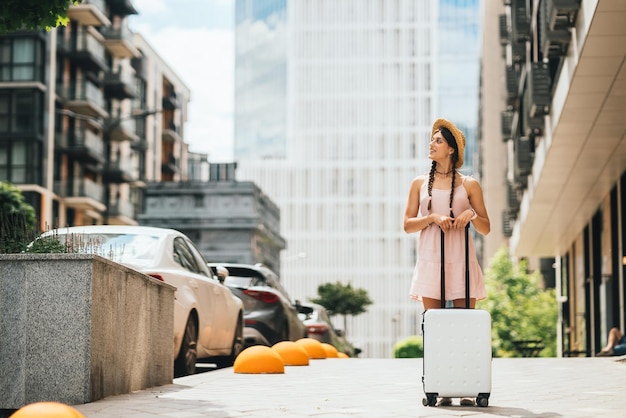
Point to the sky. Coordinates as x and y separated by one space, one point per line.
196 39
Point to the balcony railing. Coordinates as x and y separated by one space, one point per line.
89 52
86 98
79 187
120 84
119 41
122 208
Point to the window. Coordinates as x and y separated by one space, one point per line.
183 256
20 162
21 59
21 111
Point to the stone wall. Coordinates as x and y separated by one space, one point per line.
76 328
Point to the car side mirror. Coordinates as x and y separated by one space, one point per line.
222 273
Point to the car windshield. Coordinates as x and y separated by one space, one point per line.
137 249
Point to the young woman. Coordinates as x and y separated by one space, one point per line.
445 200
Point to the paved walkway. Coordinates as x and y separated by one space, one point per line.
527 387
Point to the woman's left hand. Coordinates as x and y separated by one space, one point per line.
463 219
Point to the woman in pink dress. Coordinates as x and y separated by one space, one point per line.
446 200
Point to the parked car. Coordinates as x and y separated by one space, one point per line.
208 318
320 327
270 313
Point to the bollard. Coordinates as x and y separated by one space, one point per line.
292 354
313 348
259 359
47 410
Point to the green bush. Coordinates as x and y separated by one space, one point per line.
411 347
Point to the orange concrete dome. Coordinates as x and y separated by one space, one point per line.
259 359
331 351
313 347
47 410
292 354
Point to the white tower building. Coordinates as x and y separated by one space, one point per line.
334 103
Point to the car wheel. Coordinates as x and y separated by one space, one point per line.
236 348
185 363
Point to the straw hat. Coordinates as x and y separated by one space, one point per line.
458 136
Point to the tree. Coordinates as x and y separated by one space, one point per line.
520 308
34 14
17 220
342 299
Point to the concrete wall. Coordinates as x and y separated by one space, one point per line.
76 328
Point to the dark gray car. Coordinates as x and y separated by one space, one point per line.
270 314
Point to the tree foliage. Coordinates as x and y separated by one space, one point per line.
17 219
340 299
410 347
34 14
520 309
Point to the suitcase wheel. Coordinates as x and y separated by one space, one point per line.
482 401
429 400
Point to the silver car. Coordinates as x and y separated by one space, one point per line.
208 318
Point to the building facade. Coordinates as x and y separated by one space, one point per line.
88 113
230 221
563 124
361 90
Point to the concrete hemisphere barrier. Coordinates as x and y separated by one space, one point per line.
331 351
313 348
259 359
292 354
47 410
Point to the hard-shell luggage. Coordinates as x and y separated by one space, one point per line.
457 347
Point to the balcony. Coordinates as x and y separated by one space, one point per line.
82 144
122 212
170 101
119 85
88 13
119 171
140 65
81 194
506 121
539 88
85 98
122 7
523 158
89 53
169 165
119 42
170 133
520 20
124 131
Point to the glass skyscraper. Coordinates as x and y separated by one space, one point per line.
333 125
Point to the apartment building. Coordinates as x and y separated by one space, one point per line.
88 113
563 124
334 102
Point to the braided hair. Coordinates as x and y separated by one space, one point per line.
447 135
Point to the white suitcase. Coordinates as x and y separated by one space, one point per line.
457 349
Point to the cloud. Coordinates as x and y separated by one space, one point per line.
196 40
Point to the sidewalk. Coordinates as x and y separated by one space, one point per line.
525 387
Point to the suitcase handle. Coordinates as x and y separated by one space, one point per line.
443 269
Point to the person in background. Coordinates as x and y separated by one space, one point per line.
446 200
615 345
